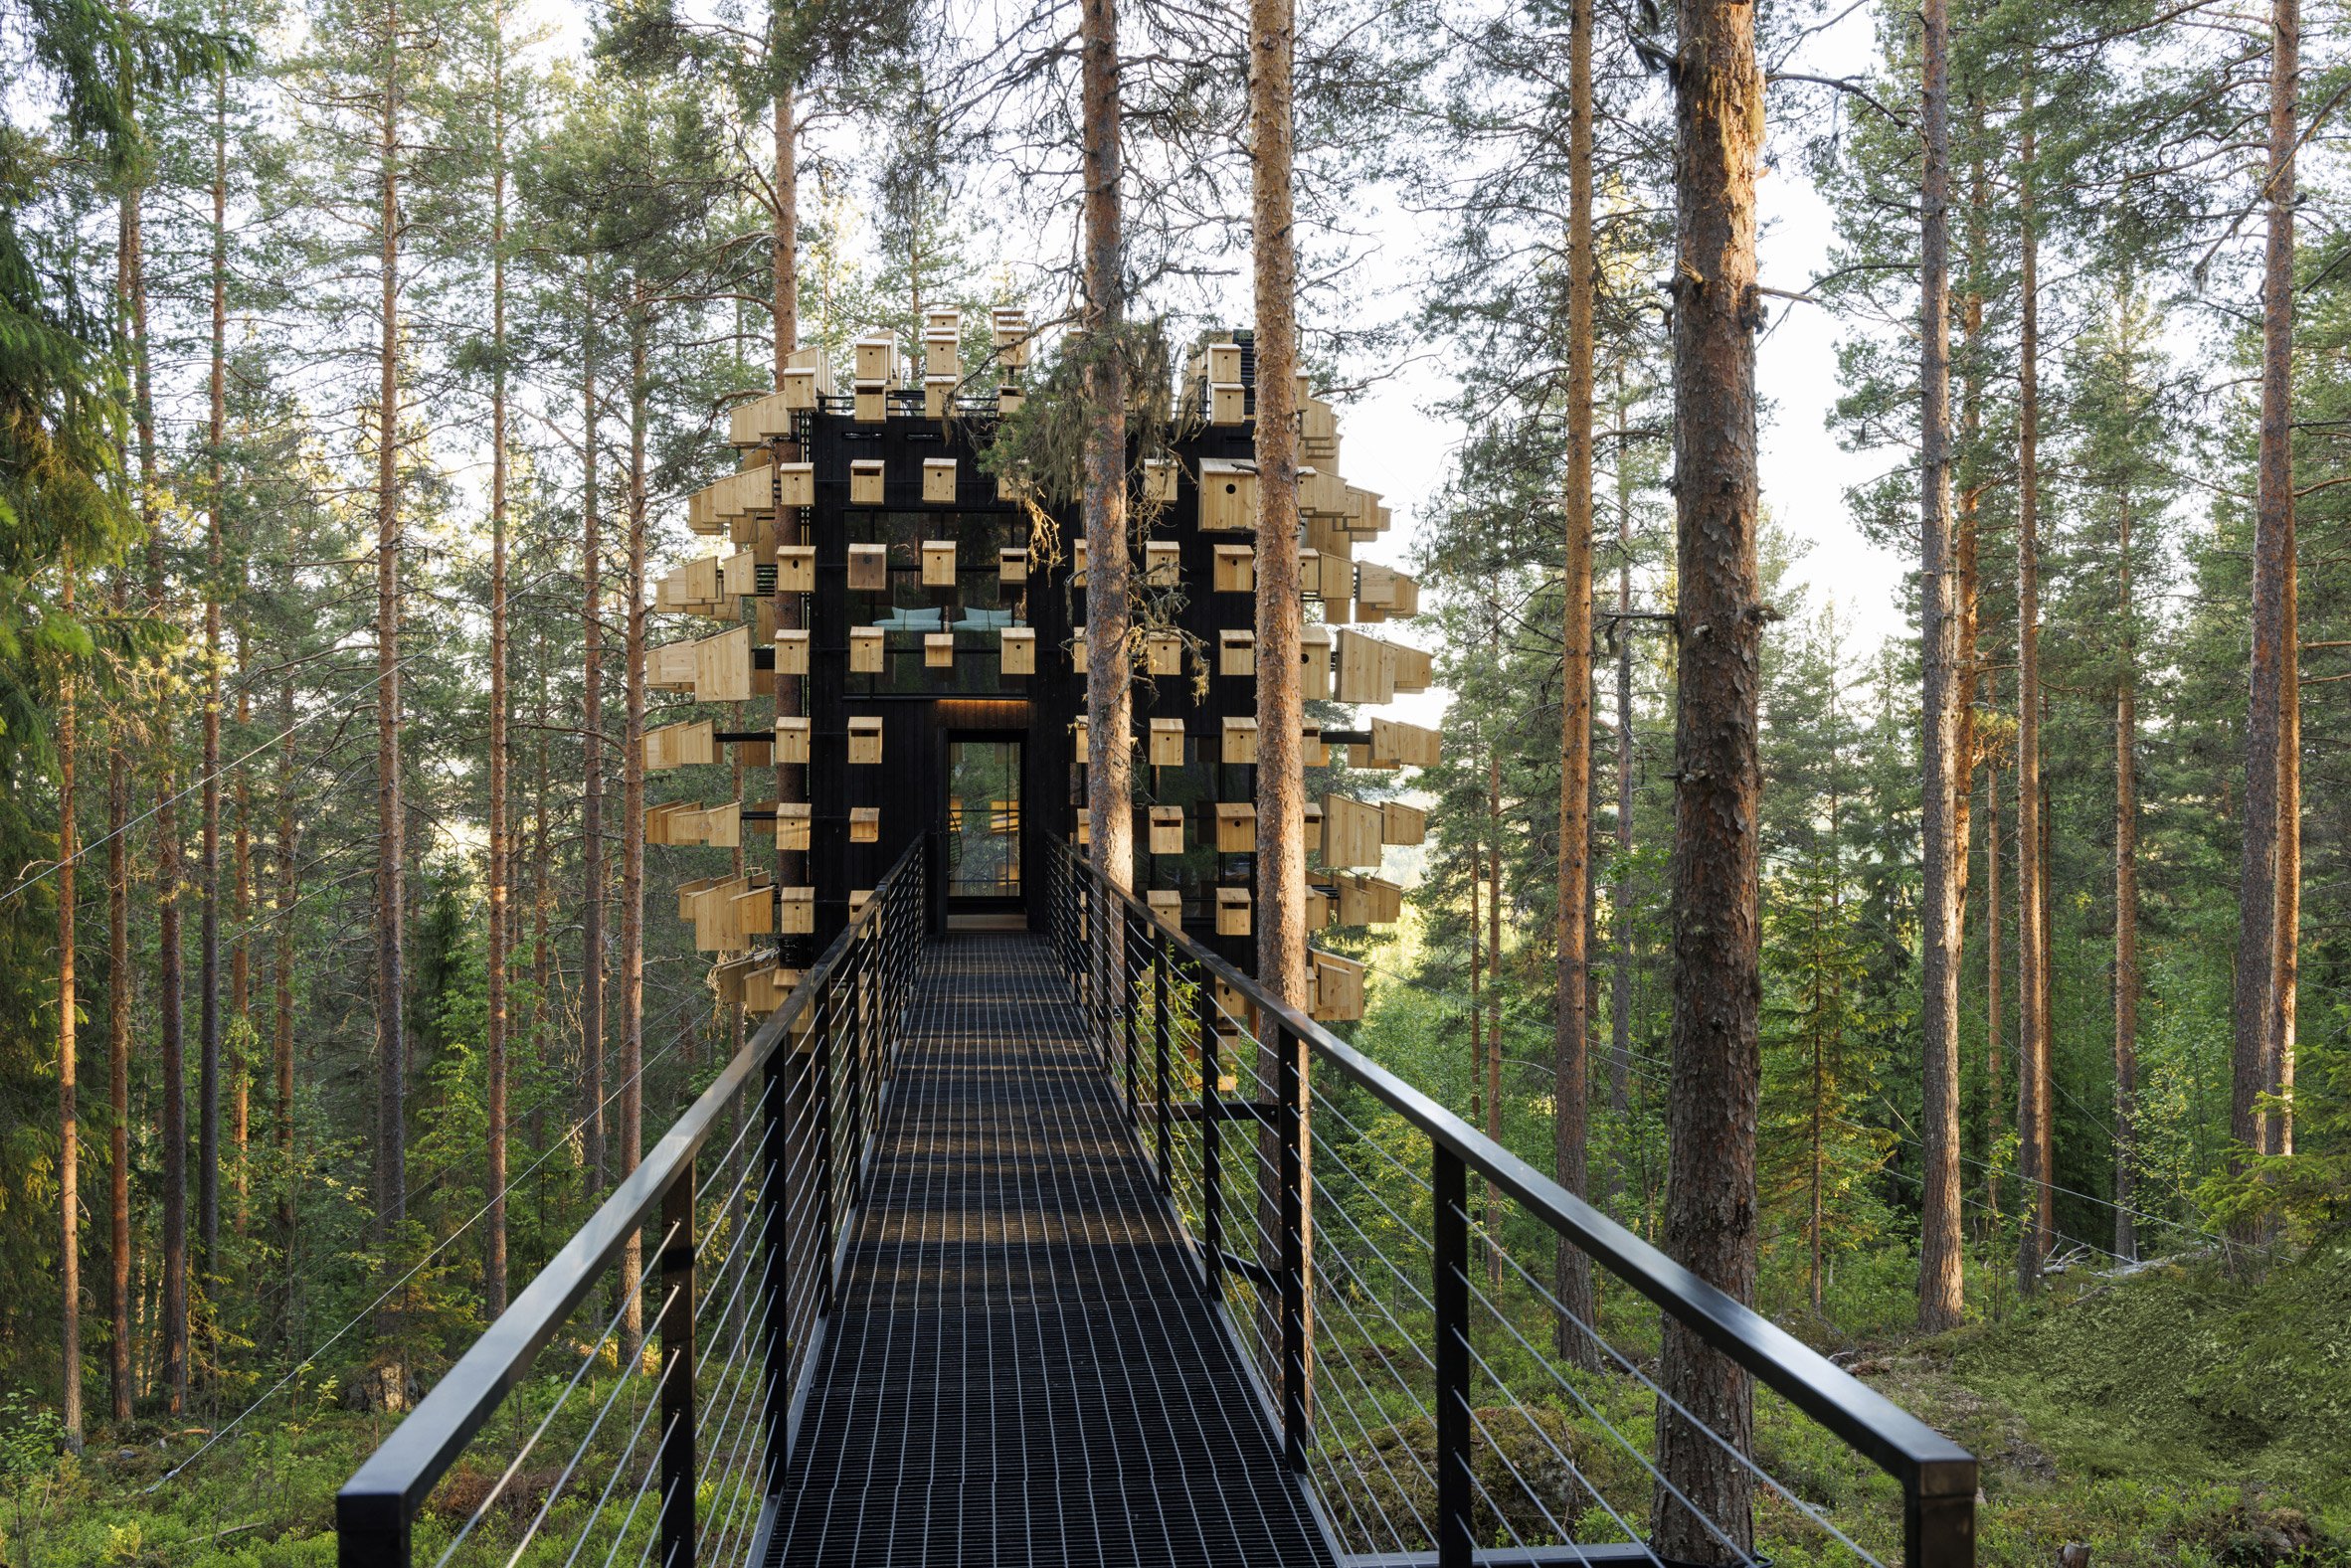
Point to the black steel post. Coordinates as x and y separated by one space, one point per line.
774 1237
1161 975
1211 1141
820 1047
854 1095
1449 1190
677 1371
1127 1015
1290 1091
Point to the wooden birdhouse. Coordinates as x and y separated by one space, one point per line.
1235 570
1318 431
872 401
941 318
1077 655
1158 480
738 574
938 650
1366 668
1077 563
938 395
792 741
760 419
1311 830
1310 571
1415 668
1228 497
1232 911
722 667
864 825
1009 397
1240 740
1314 657
1322 494
1351 831
865 481
1166 907
1359 757
867 655
858 899
1402 825
795 912
1166 829
795 568
1236 653
1228 403
670 667
679 746
1321 908
1224 362
663 824
877 358
865 742
796 484
791 825
1012 565
1312 753
943 357
802 386
1017 650
1167 743
938 559
1162 653
1407 744
752 912
939 479
1079 748
869 569
792 651
1161 564
1085 827
1338 985
1009 331
1236 827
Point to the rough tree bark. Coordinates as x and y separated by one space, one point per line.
2126 894
1946 852
1109 704
1709 1220
632 801
1571 971
391 1172
592 872
1992 953
173 1120
2268 888
68 1111
119 998
2032 1084
495 1112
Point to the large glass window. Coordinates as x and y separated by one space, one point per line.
982 818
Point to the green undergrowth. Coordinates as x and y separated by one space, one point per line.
2176 1416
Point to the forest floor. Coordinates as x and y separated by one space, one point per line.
2176 1416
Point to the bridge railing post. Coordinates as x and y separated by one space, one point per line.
774 1230
1212 1143
1449 1295
678 1372
1289 1091
1162 1091
1126 994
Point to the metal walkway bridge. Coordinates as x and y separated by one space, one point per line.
1077 1248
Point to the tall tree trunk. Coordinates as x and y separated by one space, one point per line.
119 1380
2127 900
632 800
173 1130
494 1113
241 958
1992 955
1571 977
2268 892
68 1110
1945 853
1709 1220
2032 1085
288 869
1620 983
1493 998
1281 773
1110 703
592 744
391 839
208 888
1281 789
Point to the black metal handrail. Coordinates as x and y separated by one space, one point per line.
376 1509
1938 1478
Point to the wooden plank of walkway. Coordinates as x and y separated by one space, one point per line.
1023 1368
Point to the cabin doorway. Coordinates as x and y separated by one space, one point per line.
982 833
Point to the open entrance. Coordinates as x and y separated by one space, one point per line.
983 832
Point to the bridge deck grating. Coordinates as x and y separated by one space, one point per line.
1023 1368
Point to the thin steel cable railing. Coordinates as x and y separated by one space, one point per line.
744 1268
1253 1234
